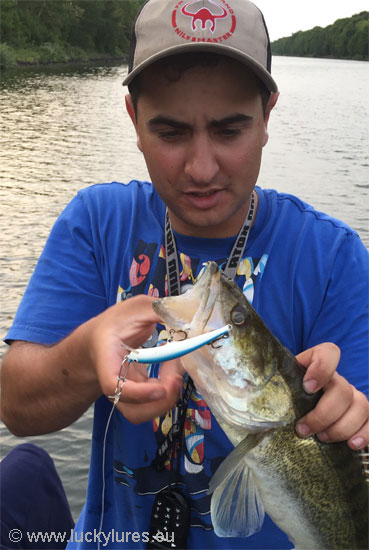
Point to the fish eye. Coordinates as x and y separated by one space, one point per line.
239 316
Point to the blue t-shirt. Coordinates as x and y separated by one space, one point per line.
304 272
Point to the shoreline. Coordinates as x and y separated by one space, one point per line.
329 57
72 60
52 54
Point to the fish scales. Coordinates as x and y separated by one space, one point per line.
330 497
315 492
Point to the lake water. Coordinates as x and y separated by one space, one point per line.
64 128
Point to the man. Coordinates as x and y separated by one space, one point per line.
201 97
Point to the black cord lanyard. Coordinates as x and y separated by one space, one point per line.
171 256
174 437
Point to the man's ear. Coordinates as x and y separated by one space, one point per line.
270 105
132 114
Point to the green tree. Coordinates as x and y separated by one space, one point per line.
102 26
346 39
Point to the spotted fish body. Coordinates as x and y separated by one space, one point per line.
315 492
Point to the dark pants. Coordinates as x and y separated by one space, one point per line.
33 501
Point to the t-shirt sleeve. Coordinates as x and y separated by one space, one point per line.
67 286
344 311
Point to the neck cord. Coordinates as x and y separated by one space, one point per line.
171 256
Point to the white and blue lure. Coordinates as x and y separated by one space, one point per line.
175 349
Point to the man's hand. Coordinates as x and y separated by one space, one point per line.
46 388
342 412
164 396
132 322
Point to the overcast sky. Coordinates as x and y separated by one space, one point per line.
284 17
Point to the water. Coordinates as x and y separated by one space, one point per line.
66 128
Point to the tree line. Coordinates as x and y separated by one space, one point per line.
345 39
57 30
48 30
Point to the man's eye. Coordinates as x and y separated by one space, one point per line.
229 132
169 134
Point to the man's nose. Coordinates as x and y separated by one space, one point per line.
201 163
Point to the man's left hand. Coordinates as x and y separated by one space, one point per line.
342 413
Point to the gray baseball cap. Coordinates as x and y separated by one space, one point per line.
234 28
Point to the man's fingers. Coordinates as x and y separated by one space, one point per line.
145 398
354 420
361 438
140 392
329 409
321 362
336 420
143 411
139 388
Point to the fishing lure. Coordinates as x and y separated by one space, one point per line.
175 349
171 350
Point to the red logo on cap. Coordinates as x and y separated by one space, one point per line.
203 19
204 15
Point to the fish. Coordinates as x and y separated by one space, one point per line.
315 492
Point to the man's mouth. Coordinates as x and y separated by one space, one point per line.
204 199
203 193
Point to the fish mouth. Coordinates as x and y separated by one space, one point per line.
200 300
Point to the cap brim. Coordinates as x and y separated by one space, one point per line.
221 49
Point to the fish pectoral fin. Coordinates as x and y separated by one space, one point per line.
236 506
231 462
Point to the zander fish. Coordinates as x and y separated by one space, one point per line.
315 492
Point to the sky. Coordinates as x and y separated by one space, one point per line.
284 17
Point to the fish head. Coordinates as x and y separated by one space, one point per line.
238 375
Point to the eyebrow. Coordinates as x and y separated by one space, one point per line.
162 120
231 119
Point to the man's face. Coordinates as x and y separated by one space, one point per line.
202 138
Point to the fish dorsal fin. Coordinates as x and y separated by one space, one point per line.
236 506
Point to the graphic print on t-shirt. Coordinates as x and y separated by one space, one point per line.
147 275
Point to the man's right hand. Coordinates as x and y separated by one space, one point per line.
46 388
132 322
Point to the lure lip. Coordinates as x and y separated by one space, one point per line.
178 348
